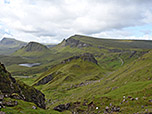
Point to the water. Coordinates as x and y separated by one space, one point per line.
30 64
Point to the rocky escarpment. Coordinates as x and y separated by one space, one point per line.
74 43
16 89
45 80
34 46
86 57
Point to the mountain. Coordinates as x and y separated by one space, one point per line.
32 49
87 41
11 42
110 53
9 45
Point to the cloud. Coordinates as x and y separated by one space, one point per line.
53 20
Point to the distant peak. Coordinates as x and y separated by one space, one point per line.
5 38
11 42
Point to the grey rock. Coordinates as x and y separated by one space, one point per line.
62 107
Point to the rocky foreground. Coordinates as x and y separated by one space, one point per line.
10 88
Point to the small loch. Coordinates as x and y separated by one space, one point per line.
30 64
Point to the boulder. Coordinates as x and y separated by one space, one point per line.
62 107
10 103
34 107
2 112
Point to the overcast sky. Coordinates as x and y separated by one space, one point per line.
50 21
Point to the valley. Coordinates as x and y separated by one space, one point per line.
80 75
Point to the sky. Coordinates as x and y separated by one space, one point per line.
51 21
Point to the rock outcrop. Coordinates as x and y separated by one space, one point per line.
45 80
86 57
74 43
9 86
62 107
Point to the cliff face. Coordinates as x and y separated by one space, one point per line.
45 80
86 57
9 86
74 43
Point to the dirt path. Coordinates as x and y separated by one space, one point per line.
122 62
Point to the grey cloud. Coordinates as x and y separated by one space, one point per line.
61 18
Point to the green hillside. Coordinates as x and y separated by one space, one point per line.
82 67
81 84
86 41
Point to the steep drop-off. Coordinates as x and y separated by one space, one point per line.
9 86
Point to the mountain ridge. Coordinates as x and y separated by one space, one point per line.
11 41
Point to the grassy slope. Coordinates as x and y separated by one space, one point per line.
132 79
141 44
26 108
75 71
